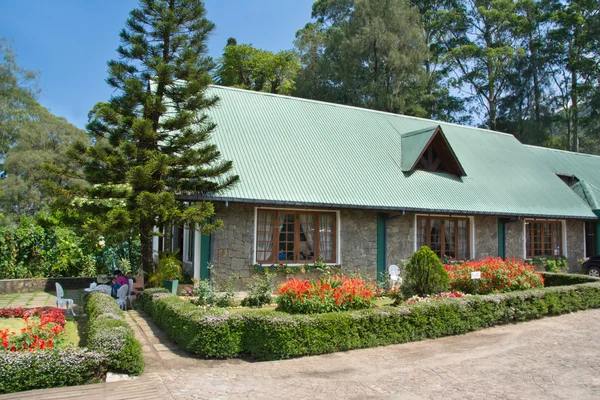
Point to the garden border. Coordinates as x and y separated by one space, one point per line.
269 335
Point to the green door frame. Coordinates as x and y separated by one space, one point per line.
597 212
205 256
502 238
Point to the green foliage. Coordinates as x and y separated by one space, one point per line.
260 291
268 335
169 269
50 368
152 139
250 68
558 279
366 53
32 251
109 333
555 264
425 274
208 297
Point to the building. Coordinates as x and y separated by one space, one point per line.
365 189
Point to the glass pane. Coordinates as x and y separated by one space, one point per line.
326 239
286 237
435 236
421 232
463 239
556 242
307 233
449 238
264 236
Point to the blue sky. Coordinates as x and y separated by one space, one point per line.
69 41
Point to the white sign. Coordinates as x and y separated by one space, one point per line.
476 275
394 271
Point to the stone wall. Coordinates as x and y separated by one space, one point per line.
400 238
515 239
42 284
359 241
575 244
486 236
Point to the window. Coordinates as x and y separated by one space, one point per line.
447 237
288 236
544 239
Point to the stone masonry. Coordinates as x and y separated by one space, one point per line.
233 245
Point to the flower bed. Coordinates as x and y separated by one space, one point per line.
497 276
276 335
32 360
46 334
109 333
334 293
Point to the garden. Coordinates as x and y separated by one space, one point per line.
41 348
340 312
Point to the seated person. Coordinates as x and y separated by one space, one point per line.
119 281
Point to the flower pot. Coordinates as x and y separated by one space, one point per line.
171 286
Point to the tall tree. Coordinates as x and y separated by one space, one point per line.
576 61
371 56
43 138
152 136
250 68
438 101
483 48
17 98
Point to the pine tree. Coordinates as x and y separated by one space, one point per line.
152 136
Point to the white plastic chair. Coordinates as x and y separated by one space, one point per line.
129 295
60 300
122 297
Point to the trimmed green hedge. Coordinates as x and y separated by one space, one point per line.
268 335
49 368
109 333
560 279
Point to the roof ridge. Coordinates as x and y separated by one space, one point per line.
419 131
360 108
562 151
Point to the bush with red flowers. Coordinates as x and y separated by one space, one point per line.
46 334
497 276
331 293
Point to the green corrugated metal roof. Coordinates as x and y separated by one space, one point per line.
301 152
413 144
589 193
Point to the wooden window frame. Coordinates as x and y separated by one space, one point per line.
429 218
316 236
530 235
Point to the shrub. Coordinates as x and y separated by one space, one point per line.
560 279
330 293
208 297
50 368
109 333
425 274
260 291
497 276
263 334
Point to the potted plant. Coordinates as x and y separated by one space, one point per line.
168 272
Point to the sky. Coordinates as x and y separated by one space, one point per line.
69 42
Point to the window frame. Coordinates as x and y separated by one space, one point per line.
316 240
528 230
469 248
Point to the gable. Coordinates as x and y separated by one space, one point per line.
429 150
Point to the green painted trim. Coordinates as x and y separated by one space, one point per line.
501 238
205 255
381 246
597 237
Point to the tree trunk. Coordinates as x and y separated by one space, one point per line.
574 113
146 246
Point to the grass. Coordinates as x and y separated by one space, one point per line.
71 329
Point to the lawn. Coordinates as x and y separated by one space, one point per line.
71 331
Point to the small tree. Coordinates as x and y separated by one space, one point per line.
425 274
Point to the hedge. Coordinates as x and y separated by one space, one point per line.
560 279
269 335
110 334
49 368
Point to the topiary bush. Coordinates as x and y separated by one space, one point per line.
109 333
50 368
425 274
